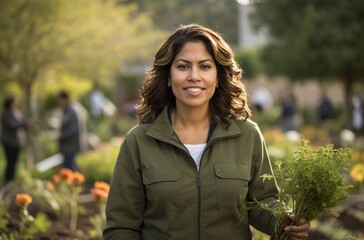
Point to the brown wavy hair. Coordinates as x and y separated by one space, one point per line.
230 98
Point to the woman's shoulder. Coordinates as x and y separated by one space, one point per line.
247 124
138 130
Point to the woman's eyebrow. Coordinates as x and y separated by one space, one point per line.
187 61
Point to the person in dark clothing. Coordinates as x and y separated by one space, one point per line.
288 108
13 136
325 109
72 133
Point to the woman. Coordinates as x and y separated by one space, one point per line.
13 136
195 158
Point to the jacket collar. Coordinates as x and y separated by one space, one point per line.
162 129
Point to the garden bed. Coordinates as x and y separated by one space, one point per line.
349 223
58 229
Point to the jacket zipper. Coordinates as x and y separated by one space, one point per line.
198 206
198 180
198 183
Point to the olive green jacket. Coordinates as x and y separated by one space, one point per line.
157 193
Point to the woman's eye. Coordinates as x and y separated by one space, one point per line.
182 66
205 67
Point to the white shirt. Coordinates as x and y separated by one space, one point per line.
196 151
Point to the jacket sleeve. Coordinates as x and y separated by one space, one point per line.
10 122
265 192
125 204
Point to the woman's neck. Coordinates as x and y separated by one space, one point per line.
190 118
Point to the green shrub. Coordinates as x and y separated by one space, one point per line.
107 128
249 60
98 165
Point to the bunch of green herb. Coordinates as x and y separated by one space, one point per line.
311 182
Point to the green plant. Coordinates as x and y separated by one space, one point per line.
310 183
67 186
106 128
98 165
100 193
28 226
4 218
61 194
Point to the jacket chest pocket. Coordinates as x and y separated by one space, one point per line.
161 185
232 182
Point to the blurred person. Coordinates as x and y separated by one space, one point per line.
288 112
72 139
358 115
195 158
13 135
326 110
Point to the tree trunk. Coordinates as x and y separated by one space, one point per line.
348 89
29 114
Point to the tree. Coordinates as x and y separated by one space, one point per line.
322 39
221 15
85 38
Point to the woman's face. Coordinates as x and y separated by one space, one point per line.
193 76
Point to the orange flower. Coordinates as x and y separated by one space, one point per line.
100 190
56 179
102 186
78 178
23 199
49 185
99 194
66 175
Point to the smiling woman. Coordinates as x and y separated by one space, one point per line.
193 77
195 158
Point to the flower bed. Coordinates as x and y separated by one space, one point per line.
58 209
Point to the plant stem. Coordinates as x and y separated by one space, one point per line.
74 210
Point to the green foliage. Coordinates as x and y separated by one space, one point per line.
40 224
4 218
313 38
45 40
61 195
76 86
11 89
45 145
104 129
249 60
98 165
217 14
96 232
38 189
28 225
311 182
107 128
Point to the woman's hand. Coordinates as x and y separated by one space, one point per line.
295 232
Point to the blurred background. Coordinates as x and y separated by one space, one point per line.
302 60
